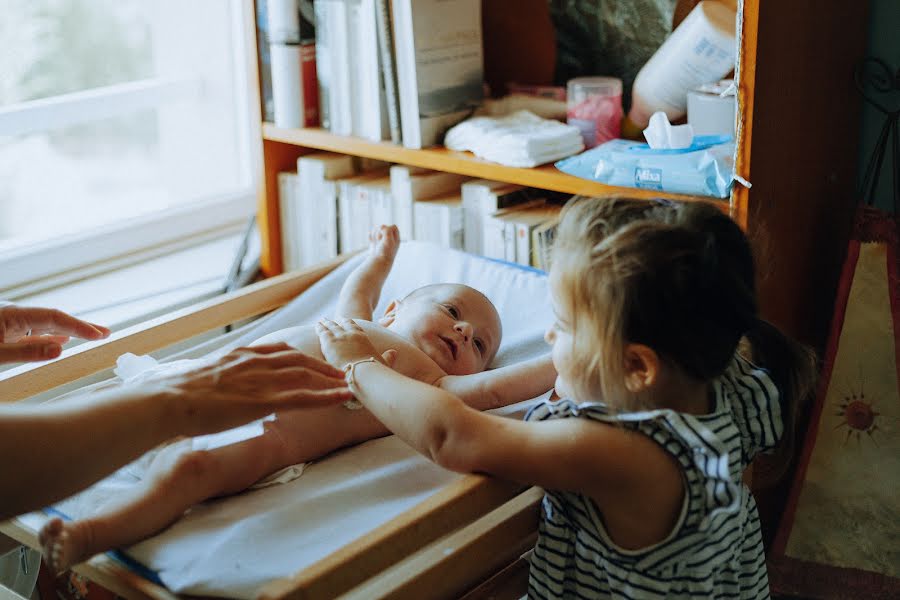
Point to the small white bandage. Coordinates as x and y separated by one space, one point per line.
351 381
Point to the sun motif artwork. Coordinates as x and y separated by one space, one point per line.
858 416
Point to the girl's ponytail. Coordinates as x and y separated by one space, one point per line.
792 366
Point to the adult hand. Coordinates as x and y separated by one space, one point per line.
31 334
344 342
249 383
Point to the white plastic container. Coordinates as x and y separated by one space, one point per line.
711 108
700 50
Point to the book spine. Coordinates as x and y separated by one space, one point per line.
407 88
494 242
388 67
401 192
472 216
456 227
523 244
323 61
328 223
345 216
309 85
286 188
509 242
265 62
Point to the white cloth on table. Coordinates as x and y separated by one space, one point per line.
521 139
232 546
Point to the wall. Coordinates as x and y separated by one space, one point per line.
883 43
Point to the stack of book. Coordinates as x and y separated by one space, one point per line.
403 70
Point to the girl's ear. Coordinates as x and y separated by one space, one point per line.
390 313
641 367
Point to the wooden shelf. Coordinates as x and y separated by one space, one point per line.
546 177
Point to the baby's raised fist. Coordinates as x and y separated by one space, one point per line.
384 241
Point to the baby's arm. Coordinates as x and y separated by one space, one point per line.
361 291
501 387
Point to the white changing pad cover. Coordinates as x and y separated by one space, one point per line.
232 546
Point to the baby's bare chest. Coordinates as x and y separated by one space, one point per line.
410 361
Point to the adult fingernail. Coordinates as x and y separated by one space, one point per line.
51 350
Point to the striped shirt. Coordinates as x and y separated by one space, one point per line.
715 549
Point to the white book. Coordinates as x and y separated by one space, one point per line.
381 204
290 252
440 70
318 203
524 222
354 220
370 111
324 62
440 220
482 198
409 184
339 47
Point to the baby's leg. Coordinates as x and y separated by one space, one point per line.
178 478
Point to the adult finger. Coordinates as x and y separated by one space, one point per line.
326 327
294 358
29 352
264 348
53 321
300 378
389 356
56 339
350 324
312 398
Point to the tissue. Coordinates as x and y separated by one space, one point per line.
662 135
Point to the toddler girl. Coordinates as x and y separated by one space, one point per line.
642 460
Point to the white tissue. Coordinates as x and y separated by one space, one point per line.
662 135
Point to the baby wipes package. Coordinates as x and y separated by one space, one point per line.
705 167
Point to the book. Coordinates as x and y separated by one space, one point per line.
317 206
482 198
523 223
388 68
292 55
324 72
542 238
368 102
440 71
332 22
354 218
265 65
499 231
409 184
440 221
290 251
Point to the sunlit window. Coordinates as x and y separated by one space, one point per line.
116 110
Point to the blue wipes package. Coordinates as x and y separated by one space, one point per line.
706 167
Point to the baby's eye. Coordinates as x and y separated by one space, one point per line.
452 310
479 345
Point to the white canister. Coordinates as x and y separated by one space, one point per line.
287 84
711 108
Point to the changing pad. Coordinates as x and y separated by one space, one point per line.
231 547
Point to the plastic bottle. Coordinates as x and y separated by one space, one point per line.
595 108
700 50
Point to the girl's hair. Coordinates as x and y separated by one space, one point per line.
678 278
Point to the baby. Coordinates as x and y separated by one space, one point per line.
442 334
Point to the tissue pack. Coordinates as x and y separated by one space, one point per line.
706 167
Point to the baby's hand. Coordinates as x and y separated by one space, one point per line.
384 241
345 342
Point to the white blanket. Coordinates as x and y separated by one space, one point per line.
231 547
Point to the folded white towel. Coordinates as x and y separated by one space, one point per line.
521 139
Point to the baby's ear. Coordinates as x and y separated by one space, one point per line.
641 367
390 313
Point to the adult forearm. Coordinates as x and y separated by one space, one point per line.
52 451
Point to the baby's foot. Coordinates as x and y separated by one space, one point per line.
62 544
384 241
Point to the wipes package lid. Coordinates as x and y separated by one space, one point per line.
705 167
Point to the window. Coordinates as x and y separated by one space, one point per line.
124 124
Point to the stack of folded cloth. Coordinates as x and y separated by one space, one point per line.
521 139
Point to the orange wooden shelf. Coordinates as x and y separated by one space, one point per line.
546 177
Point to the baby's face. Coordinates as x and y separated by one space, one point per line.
455 325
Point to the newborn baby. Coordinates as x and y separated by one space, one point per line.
442 334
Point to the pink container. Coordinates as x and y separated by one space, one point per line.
594 106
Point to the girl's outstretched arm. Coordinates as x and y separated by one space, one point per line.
610 464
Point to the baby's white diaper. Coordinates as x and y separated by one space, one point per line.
133 369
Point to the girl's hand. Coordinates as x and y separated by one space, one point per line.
345 342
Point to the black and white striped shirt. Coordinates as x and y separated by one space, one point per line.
715 550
